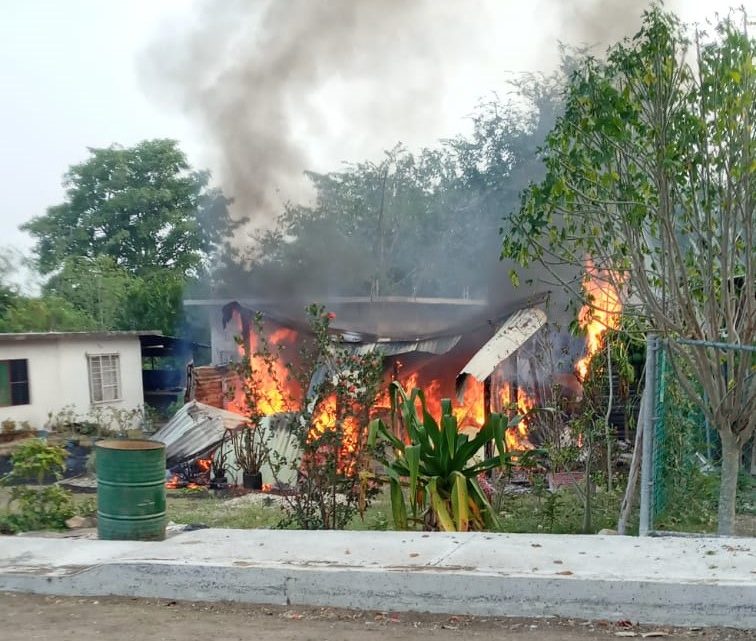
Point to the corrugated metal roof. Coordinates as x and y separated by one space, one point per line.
195 430
512 334
440 345
28 336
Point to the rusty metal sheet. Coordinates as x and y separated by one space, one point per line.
195 430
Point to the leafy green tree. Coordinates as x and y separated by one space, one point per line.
44 314
97 287
114 299
8 293
20 313
650 174
142 206
136 226
155 302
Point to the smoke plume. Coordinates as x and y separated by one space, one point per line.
281 86
277 84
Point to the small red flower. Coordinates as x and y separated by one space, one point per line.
330 315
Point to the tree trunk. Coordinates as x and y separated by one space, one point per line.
728 485
587 520
632 478
607 424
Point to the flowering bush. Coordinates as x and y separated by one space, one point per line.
332 467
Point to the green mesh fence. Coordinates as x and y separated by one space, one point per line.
682 444
659 488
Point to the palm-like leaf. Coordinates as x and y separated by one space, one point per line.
439 464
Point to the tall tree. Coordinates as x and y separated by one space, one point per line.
114 299
137 224
143 206
44 314
650 174
7 291
22 313
96 286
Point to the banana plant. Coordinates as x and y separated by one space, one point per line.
438 466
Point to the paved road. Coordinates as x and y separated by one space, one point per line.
26 617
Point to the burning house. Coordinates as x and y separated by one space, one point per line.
485 358
505 356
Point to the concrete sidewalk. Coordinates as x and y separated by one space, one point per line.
680 581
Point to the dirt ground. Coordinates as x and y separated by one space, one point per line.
27 617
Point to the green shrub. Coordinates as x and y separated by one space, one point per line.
439 467
32 508
36 459
44 508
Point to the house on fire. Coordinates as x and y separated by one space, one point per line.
451 347
45 373
483 357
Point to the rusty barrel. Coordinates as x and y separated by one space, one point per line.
130 490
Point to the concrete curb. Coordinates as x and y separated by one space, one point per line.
406 572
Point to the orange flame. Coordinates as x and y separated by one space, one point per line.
469 413
325 419
517 437
270 376
472 409
601 313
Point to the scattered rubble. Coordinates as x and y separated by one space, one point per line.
79 522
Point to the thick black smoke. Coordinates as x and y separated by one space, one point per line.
260 78
278 87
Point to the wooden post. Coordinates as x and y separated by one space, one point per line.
397 423
489 447
647 443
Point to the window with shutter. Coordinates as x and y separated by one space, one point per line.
104 378
14 382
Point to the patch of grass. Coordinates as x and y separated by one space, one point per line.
215 512
559 512
692 505
541 512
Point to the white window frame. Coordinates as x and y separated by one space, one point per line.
101 391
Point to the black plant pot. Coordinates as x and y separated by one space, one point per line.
252 481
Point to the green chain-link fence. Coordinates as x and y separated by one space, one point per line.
681 457
684 450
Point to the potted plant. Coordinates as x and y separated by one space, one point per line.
219 462
251 450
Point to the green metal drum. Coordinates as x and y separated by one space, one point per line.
130 490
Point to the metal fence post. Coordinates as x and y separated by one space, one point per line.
649 410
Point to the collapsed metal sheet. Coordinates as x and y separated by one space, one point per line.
440 345
512 335
195 430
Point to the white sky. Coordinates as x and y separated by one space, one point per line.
68 71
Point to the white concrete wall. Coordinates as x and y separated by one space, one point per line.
59 378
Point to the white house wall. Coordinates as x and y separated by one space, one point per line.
223 343
59 377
